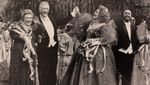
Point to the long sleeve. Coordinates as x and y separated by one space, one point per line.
6 35
14 35
37 31
108 35
62 44
63 21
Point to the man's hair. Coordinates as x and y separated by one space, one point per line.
126 10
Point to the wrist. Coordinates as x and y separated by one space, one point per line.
22 36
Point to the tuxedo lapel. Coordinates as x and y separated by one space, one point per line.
125 29
42 23
133 32
53 23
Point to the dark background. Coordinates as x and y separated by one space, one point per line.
10 9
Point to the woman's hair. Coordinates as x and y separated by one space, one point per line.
104 14
26 11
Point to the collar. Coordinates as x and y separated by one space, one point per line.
43 16
127 22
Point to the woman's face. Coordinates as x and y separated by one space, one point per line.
28 18
96 14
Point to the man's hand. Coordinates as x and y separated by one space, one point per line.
52 43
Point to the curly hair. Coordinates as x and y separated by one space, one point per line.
26 11
104 14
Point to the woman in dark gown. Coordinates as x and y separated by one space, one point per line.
23 63
94 63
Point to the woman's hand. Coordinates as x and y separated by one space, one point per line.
87 43
91 42
96 42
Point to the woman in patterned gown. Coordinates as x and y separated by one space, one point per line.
141 66
94 64
23 64
5 44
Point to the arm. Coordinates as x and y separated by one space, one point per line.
6 35
109 35
62 43
14 35
64 20
74 13
38 30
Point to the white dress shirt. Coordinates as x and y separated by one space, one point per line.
50 29
129 50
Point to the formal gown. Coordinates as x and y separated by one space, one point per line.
141 66
4 58
65 52
19 68
103 63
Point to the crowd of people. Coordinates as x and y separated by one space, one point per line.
80 49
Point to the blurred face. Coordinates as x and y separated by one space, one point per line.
77 11
96 14
133 20
127 15
28 18
44 10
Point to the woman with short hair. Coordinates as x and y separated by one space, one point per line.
23 64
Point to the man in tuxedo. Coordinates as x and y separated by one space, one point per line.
126 47
47 48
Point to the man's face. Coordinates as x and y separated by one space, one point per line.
44 10
127 15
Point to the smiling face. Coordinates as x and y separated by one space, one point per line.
28 18
44 9
127 15
96 14
76 10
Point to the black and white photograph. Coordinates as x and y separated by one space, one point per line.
74 42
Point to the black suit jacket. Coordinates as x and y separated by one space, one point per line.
48 56
123 39
56 23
